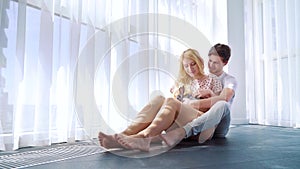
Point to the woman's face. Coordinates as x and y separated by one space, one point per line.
190 67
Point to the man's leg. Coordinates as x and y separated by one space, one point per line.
208 120
205 123
223 127
173 137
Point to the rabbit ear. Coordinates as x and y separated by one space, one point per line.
181 89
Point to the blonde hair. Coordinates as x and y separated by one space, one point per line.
192 54
183 78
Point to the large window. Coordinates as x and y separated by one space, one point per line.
71 65
272 51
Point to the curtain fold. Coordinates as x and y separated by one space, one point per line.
272 40
67 59
4 107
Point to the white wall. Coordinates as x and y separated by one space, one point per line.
237 66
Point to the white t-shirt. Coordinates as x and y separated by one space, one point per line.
228 81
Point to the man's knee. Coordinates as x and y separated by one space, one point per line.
221 103
221 106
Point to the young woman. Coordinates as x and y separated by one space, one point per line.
160 114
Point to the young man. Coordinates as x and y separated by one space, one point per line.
216 121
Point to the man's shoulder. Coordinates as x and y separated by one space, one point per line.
225 77
228 76
230 81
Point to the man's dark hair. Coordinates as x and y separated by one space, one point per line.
221 50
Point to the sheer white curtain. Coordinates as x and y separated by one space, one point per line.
273 54
76 67
44 42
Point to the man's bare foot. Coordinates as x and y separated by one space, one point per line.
173 137
108 141
131 142
156 139
206 135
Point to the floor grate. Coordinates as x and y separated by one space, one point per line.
48 155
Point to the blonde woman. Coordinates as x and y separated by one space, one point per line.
160 114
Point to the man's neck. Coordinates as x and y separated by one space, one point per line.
219 73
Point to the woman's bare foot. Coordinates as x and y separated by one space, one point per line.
131 142
108 141
173 137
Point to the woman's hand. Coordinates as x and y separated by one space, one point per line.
203 93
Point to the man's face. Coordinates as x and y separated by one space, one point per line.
215 65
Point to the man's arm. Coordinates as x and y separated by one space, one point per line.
205 104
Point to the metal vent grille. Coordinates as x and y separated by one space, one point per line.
48 155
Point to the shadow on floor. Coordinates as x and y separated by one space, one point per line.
246 147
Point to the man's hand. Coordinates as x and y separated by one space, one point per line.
192 103
204 93
195 104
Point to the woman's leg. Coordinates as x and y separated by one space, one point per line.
143 120
145 116
163 120
171 111
186 114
